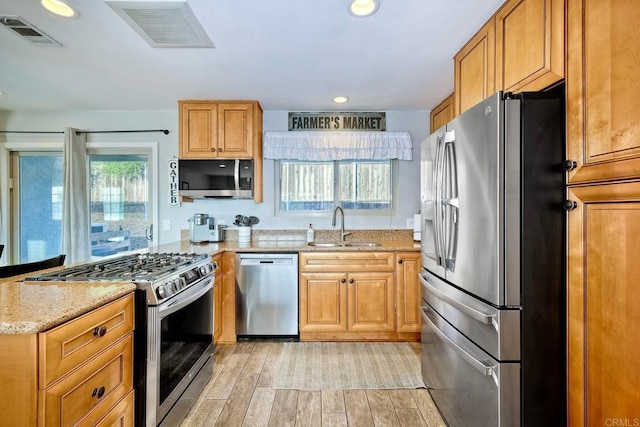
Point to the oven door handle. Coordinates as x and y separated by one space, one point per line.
481 317
479 365
187 297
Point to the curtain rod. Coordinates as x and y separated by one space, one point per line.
165 131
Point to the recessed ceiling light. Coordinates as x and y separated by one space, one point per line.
363 8
340 99
59 7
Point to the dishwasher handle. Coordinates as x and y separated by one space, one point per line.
268 261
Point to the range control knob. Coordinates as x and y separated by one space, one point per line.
161 291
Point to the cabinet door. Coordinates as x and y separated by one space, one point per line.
217 299
88 393
323 302
603 89
603 304
474 68
442 114
371 299
198 130
408 292
529 44
235 130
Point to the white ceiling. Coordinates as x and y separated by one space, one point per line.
288 54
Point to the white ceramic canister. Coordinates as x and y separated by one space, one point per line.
244 234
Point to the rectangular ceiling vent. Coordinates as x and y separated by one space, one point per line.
163 23
27 31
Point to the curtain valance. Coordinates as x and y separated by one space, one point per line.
337 145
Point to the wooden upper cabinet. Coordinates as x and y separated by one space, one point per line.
220 129
198 130
443 113
235 130
603 303
603 89
529 44
474 68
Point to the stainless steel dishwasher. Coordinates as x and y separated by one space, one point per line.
266 294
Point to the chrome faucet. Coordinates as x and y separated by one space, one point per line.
333 222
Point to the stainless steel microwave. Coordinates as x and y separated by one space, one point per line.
231 178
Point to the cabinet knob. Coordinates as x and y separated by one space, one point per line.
100 332
343 280
399 261
570 205
98 392
219 150
569 165
350 280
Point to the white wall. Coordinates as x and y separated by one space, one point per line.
415 122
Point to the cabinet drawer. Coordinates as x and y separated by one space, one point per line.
346 261
119 415
87 394
69 345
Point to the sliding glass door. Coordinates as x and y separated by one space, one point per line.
39 205
121 206
120 203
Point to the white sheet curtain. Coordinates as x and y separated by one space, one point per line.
75 203
337 145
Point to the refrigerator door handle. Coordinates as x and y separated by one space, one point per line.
437 197
478 315
479 365
451 201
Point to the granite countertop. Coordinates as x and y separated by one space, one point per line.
294 241
32 307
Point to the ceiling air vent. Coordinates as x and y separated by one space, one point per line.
27 31
163 23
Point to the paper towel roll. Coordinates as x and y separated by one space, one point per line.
417 221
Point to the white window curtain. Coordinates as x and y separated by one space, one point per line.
337 145
76 242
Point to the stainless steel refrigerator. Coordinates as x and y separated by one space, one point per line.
493 270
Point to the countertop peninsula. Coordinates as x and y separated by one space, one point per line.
28 307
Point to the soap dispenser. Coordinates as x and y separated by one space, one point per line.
310 234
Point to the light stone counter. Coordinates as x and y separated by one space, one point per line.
32 307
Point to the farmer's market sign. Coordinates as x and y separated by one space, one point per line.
337 121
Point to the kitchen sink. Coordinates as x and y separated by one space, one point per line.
342 244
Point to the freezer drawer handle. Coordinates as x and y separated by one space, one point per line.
479 365
476 314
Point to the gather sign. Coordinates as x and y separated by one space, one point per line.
371 121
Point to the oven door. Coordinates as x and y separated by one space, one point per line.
468 386
179 345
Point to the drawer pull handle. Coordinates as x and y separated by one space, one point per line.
98 392
100 332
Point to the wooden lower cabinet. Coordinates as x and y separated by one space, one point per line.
604 305
408 292
217 299
353 296
71 375
226 305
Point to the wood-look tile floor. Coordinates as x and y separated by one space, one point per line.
241 394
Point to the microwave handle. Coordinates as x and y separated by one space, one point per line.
236 177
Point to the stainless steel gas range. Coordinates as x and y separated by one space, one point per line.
174 327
